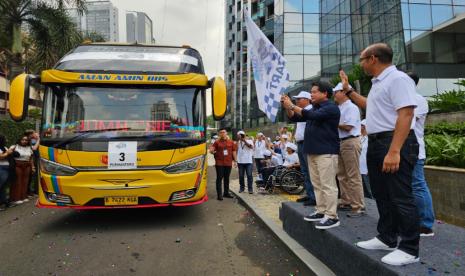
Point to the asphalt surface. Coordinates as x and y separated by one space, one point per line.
214 238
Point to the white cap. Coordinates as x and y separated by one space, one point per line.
241 132
259 134
339 87
364 122
215 136
284 136
291 146
267 153
303 94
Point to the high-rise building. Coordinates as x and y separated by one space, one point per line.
242 101
427 36
101 17
139 28
317 37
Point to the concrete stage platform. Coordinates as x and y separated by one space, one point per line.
443 254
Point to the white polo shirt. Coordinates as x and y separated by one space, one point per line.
244 153
350 116
420 116
300 128
390 91
259 148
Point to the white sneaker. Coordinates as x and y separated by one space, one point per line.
374 244
18 202
25 200
399 257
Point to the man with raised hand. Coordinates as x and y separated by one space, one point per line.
392 153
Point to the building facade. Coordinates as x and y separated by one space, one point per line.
101 17
139 28
242 97
317 37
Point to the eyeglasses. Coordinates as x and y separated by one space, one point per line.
367 57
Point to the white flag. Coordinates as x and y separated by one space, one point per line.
269 69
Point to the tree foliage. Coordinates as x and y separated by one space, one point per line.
49 34
356 73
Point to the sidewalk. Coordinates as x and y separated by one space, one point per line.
267 208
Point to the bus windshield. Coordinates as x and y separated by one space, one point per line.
122 112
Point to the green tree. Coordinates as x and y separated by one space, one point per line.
356 73
50 29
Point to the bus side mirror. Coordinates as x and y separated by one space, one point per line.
219 98
19 97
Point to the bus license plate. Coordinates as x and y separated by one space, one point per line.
121 200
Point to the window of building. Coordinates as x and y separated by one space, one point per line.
311 23
293 43
311 43
293 22
238 26
444 51
293 5
441 13
420 17
269 11
311 6
244 35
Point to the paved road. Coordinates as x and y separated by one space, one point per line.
215 238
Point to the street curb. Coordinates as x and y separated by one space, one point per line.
294 247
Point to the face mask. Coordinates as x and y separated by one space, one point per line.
33 141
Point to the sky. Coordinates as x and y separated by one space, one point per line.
198 23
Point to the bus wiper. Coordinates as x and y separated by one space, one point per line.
85 133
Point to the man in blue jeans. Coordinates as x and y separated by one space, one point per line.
303 100
244 161
419 186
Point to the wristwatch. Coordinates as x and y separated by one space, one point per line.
349 91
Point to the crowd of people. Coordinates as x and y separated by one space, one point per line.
345 159
18 166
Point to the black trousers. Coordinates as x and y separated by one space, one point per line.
222 174
398 215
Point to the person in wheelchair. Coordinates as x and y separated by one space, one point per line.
272 162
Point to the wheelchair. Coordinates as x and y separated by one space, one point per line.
289 180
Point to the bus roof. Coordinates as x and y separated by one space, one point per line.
131 58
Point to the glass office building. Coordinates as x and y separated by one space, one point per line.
427 36
317 37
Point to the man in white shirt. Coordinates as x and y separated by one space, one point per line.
259 148
303 100
392 154
350 180
244 161
363 161
420 187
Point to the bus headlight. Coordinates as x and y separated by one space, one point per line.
51 167
190 165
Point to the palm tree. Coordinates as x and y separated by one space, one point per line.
51 31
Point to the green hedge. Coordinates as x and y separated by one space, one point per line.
13 130
449 101
453 129
445 150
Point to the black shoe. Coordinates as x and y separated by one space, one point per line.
228 196
327 223
356 214
250 192
220 198
303 199
314 217
310 202
241 191
344 208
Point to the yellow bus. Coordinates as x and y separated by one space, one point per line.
123 126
